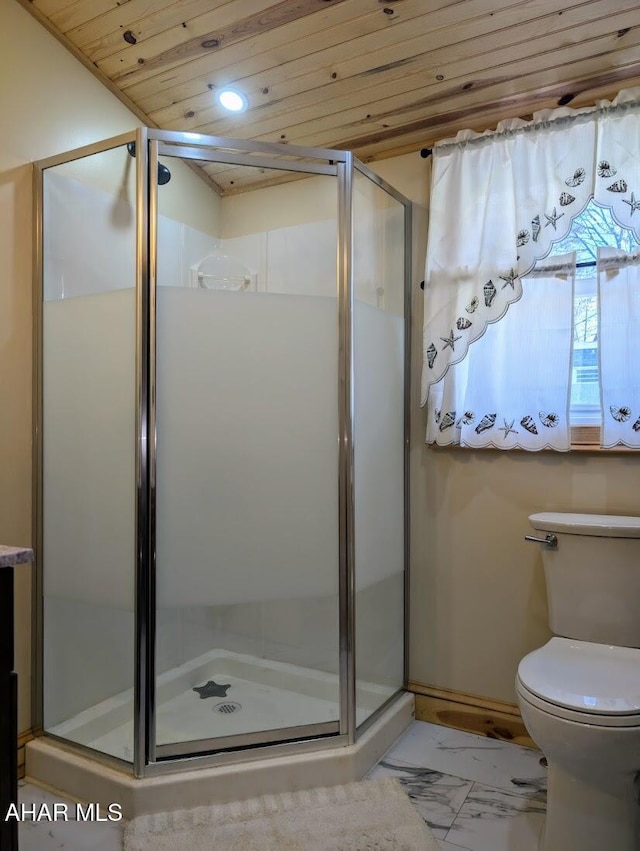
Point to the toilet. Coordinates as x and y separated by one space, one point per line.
579 694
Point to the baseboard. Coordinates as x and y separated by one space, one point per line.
493 718
23 738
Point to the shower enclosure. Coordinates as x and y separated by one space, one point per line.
221 449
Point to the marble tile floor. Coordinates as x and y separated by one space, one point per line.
476 794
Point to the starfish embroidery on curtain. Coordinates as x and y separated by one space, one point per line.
553 219
508 428
635 205
509 279
450 341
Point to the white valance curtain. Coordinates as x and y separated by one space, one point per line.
498 203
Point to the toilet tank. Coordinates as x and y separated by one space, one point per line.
592 576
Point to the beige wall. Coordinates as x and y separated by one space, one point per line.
49 105
478 600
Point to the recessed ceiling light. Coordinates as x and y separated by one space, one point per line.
232 100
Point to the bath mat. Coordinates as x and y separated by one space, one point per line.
373 815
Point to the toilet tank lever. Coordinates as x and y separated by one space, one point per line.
551 540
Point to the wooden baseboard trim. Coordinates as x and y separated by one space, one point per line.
23 738
495 719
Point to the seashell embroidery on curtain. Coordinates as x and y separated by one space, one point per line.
549 420
468 417
487 422
489 293
535 228
578 178
605 169
620 415
447 420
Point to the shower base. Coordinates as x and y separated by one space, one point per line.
262 695
237 777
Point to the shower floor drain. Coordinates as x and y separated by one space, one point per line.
227 707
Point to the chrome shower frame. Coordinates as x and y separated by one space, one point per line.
150 758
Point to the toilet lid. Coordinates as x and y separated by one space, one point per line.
587 677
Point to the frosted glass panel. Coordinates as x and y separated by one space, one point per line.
88 435
378 341
246 447
246 509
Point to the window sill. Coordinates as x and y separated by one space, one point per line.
587 439
587 436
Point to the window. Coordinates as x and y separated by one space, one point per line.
592 228
525 340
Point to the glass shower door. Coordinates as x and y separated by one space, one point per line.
246 463
379 443
87 548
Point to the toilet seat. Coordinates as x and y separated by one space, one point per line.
580 680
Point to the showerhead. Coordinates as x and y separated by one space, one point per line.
164 175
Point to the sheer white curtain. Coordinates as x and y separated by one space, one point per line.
619 346
498 203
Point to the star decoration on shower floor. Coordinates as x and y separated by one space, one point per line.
212 689
635 205
553 219
508 428
509 280
450 341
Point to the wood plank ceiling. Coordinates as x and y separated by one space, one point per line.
378 77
